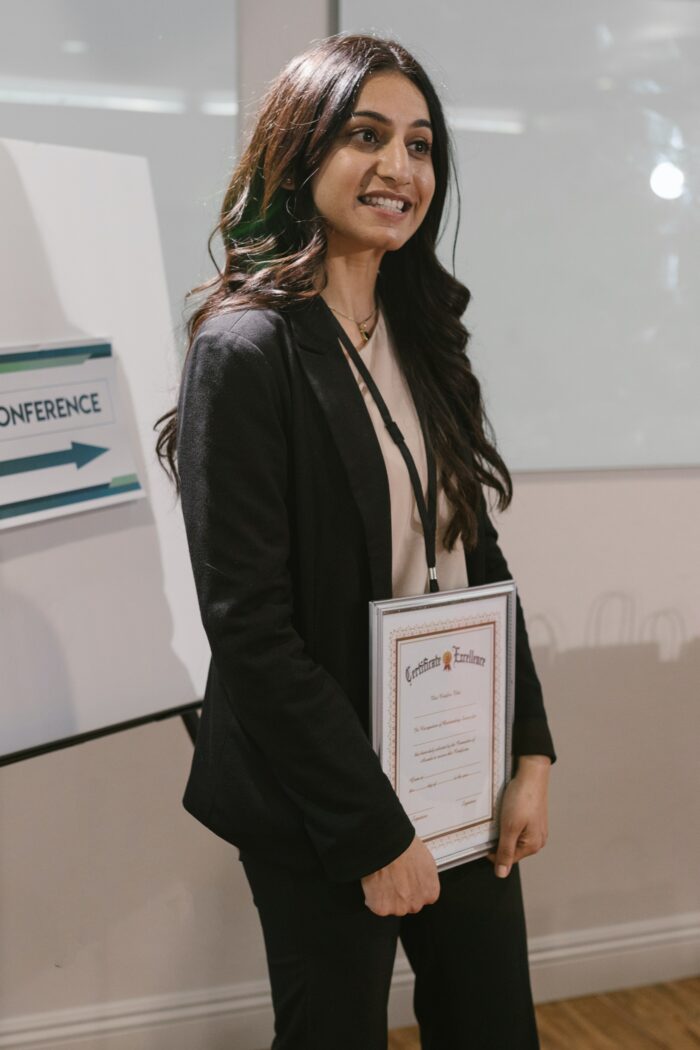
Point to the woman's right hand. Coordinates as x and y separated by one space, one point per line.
404 885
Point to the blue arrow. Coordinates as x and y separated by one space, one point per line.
77 453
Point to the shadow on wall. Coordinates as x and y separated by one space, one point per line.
625 718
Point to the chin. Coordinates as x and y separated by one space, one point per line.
354 240
387 239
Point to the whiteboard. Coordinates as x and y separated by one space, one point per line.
100 624
577 137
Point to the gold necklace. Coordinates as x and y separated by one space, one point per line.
362 325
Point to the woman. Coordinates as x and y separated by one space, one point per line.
298 513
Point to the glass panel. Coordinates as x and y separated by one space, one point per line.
155 79
578 134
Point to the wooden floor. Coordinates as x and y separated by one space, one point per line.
657 1017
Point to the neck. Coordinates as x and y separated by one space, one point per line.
351 284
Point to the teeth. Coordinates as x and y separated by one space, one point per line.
384 202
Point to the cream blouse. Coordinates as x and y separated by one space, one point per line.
409 567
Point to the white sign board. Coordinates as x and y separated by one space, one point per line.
63 447
100 623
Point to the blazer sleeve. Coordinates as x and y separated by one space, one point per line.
531 735
233 466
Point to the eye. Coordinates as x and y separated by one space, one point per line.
364 131
424 146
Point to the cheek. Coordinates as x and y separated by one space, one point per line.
337 188
427 192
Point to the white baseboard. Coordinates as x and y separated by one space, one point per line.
239 1003
578 962
602 958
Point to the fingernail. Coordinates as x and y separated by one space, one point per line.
501 871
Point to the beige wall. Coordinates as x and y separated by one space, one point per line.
609 569
111 894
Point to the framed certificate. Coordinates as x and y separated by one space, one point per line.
442 687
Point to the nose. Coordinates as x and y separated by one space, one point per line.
394 162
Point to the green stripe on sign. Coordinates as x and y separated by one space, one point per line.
51 362
60 499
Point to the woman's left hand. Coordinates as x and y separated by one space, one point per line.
523 814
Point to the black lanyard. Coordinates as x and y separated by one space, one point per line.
428 514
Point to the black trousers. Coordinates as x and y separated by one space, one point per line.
330 961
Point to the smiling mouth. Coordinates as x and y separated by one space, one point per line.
386 204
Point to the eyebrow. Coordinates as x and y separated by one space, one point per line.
385 120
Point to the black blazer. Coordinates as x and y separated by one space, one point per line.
286 506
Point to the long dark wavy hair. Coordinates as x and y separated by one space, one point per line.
275 244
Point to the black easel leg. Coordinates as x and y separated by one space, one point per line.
191 720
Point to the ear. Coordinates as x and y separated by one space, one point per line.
288 183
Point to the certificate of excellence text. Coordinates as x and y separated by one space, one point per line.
442 718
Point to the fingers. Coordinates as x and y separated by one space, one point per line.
411 901
526 846
406 885
395 906
505 854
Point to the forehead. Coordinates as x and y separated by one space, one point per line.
394 95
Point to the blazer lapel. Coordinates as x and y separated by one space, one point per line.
316 335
